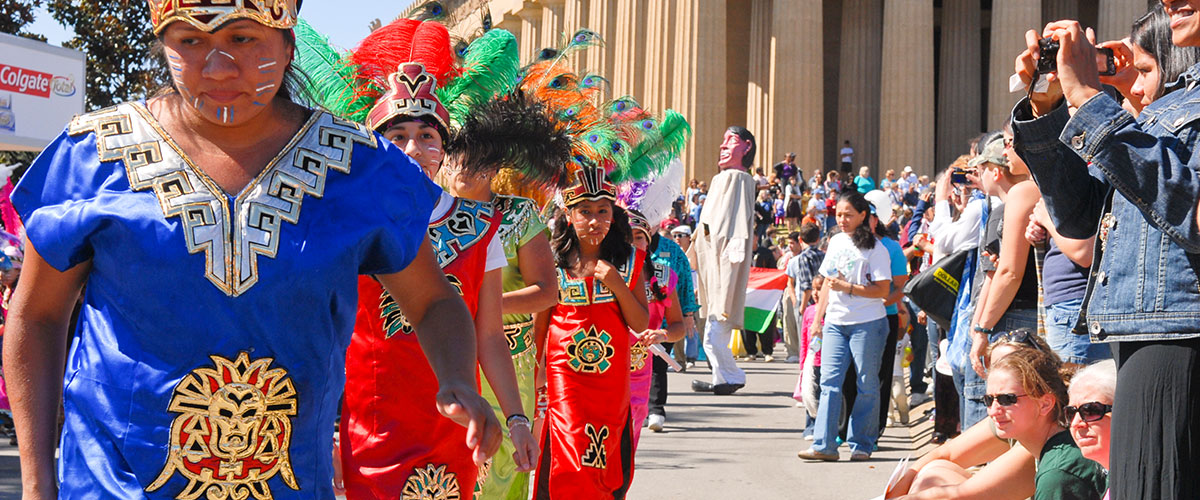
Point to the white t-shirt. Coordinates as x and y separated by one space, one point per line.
847 154
859 267
495 251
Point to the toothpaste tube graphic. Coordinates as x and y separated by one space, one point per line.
8 120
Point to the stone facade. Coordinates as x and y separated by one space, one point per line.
908 82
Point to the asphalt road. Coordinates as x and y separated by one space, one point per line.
744 446
723 447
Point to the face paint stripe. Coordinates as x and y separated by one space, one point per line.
197 103
256 103
266 65
219 51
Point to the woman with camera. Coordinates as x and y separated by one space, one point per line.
1131 182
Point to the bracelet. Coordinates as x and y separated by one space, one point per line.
516 419
980 329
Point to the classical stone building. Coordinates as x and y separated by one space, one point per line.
908 82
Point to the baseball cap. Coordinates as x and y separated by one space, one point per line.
682 229
908 169
992 152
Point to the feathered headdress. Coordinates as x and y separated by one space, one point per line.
513 131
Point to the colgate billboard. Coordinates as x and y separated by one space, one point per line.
40 90
25 81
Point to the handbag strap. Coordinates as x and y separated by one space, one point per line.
1039 259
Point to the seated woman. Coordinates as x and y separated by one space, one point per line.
1010 469
1088 416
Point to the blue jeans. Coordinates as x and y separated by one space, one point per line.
1072 348
840 344
971 387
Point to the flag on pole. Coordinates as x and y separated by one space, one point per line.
763 293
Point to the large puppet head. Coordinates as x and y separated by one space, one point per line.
737 149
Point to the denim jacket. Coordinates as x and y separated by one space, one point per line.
1133 184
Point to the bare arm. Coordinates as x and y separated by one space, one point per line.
1014 253
975 446
1009 477
1079 251
537 269
897 292
496 363
35 345
447 336
675 330
876 290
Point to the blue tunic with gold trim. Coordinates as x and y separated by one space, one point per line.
210 349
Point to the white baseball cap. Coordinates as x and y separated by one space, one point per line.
882 203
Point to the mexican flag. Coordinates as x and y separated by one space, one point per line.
763 293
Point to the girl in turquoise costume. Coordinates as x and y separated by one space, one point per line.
209 355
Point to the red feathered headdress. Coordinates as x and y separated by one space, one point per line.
386 58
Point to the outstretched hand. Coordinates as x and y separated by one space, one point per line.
1077 71
465 406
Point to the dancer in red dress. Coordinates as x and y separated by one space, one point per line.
587 449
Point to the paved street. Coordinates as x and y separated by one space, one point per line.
744 446
721 447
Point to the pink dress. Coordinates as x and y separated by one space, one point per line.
641 367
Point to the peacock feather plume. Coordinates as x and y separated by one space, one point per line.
489 68
330 74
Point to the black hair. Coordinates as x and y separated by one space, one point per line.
513 130
745 135
295 86
615 248
428 120
1152 32
862 236
810 233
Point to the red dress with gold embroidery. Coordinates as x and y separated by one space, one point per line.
586 452
394 442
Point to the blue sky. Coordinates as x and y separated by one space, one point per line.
345 21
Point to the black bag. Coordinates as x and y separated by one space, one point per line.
935 290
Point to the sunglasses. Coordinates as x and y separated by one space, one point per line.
1089 412
1022 336
1004 399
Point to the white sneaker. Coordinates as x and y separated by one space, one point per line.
655 422
769 359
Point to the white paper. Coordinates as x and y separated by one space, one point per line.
662 353
898 473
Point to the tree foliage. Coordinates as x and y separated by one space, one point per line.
117 39
19 14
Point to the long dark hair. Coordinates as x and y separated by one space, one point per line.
862 237
615 248
1152 32
745 135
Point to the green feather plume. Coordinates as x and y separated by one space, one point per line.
330 74
490 68
652 156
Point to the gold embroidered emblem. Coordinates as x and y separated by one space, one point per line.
233 432
590 351
637 356
595 455
393 320
431 483
232 235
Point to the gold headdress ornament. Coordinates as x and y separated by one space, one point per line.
208 15
411 92
590 183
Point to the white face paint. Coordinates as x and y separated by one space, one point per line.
220 52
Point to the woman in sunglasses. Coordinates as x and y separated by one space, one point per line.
942 473
1089 416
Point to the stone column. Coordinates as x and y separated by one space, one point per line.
797 83
530 37
959 114
1053 10
552 23
759 91
629 47
906 124
1010 20
858 82
602 18
656 90
1116 16
575 16
700 73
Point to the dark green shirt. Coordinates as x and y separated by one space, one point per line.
1063 473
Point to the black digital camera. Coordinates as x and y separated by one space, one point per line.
1048 59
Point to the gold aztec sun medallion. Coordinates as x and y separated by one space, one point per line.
590 351
233 432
